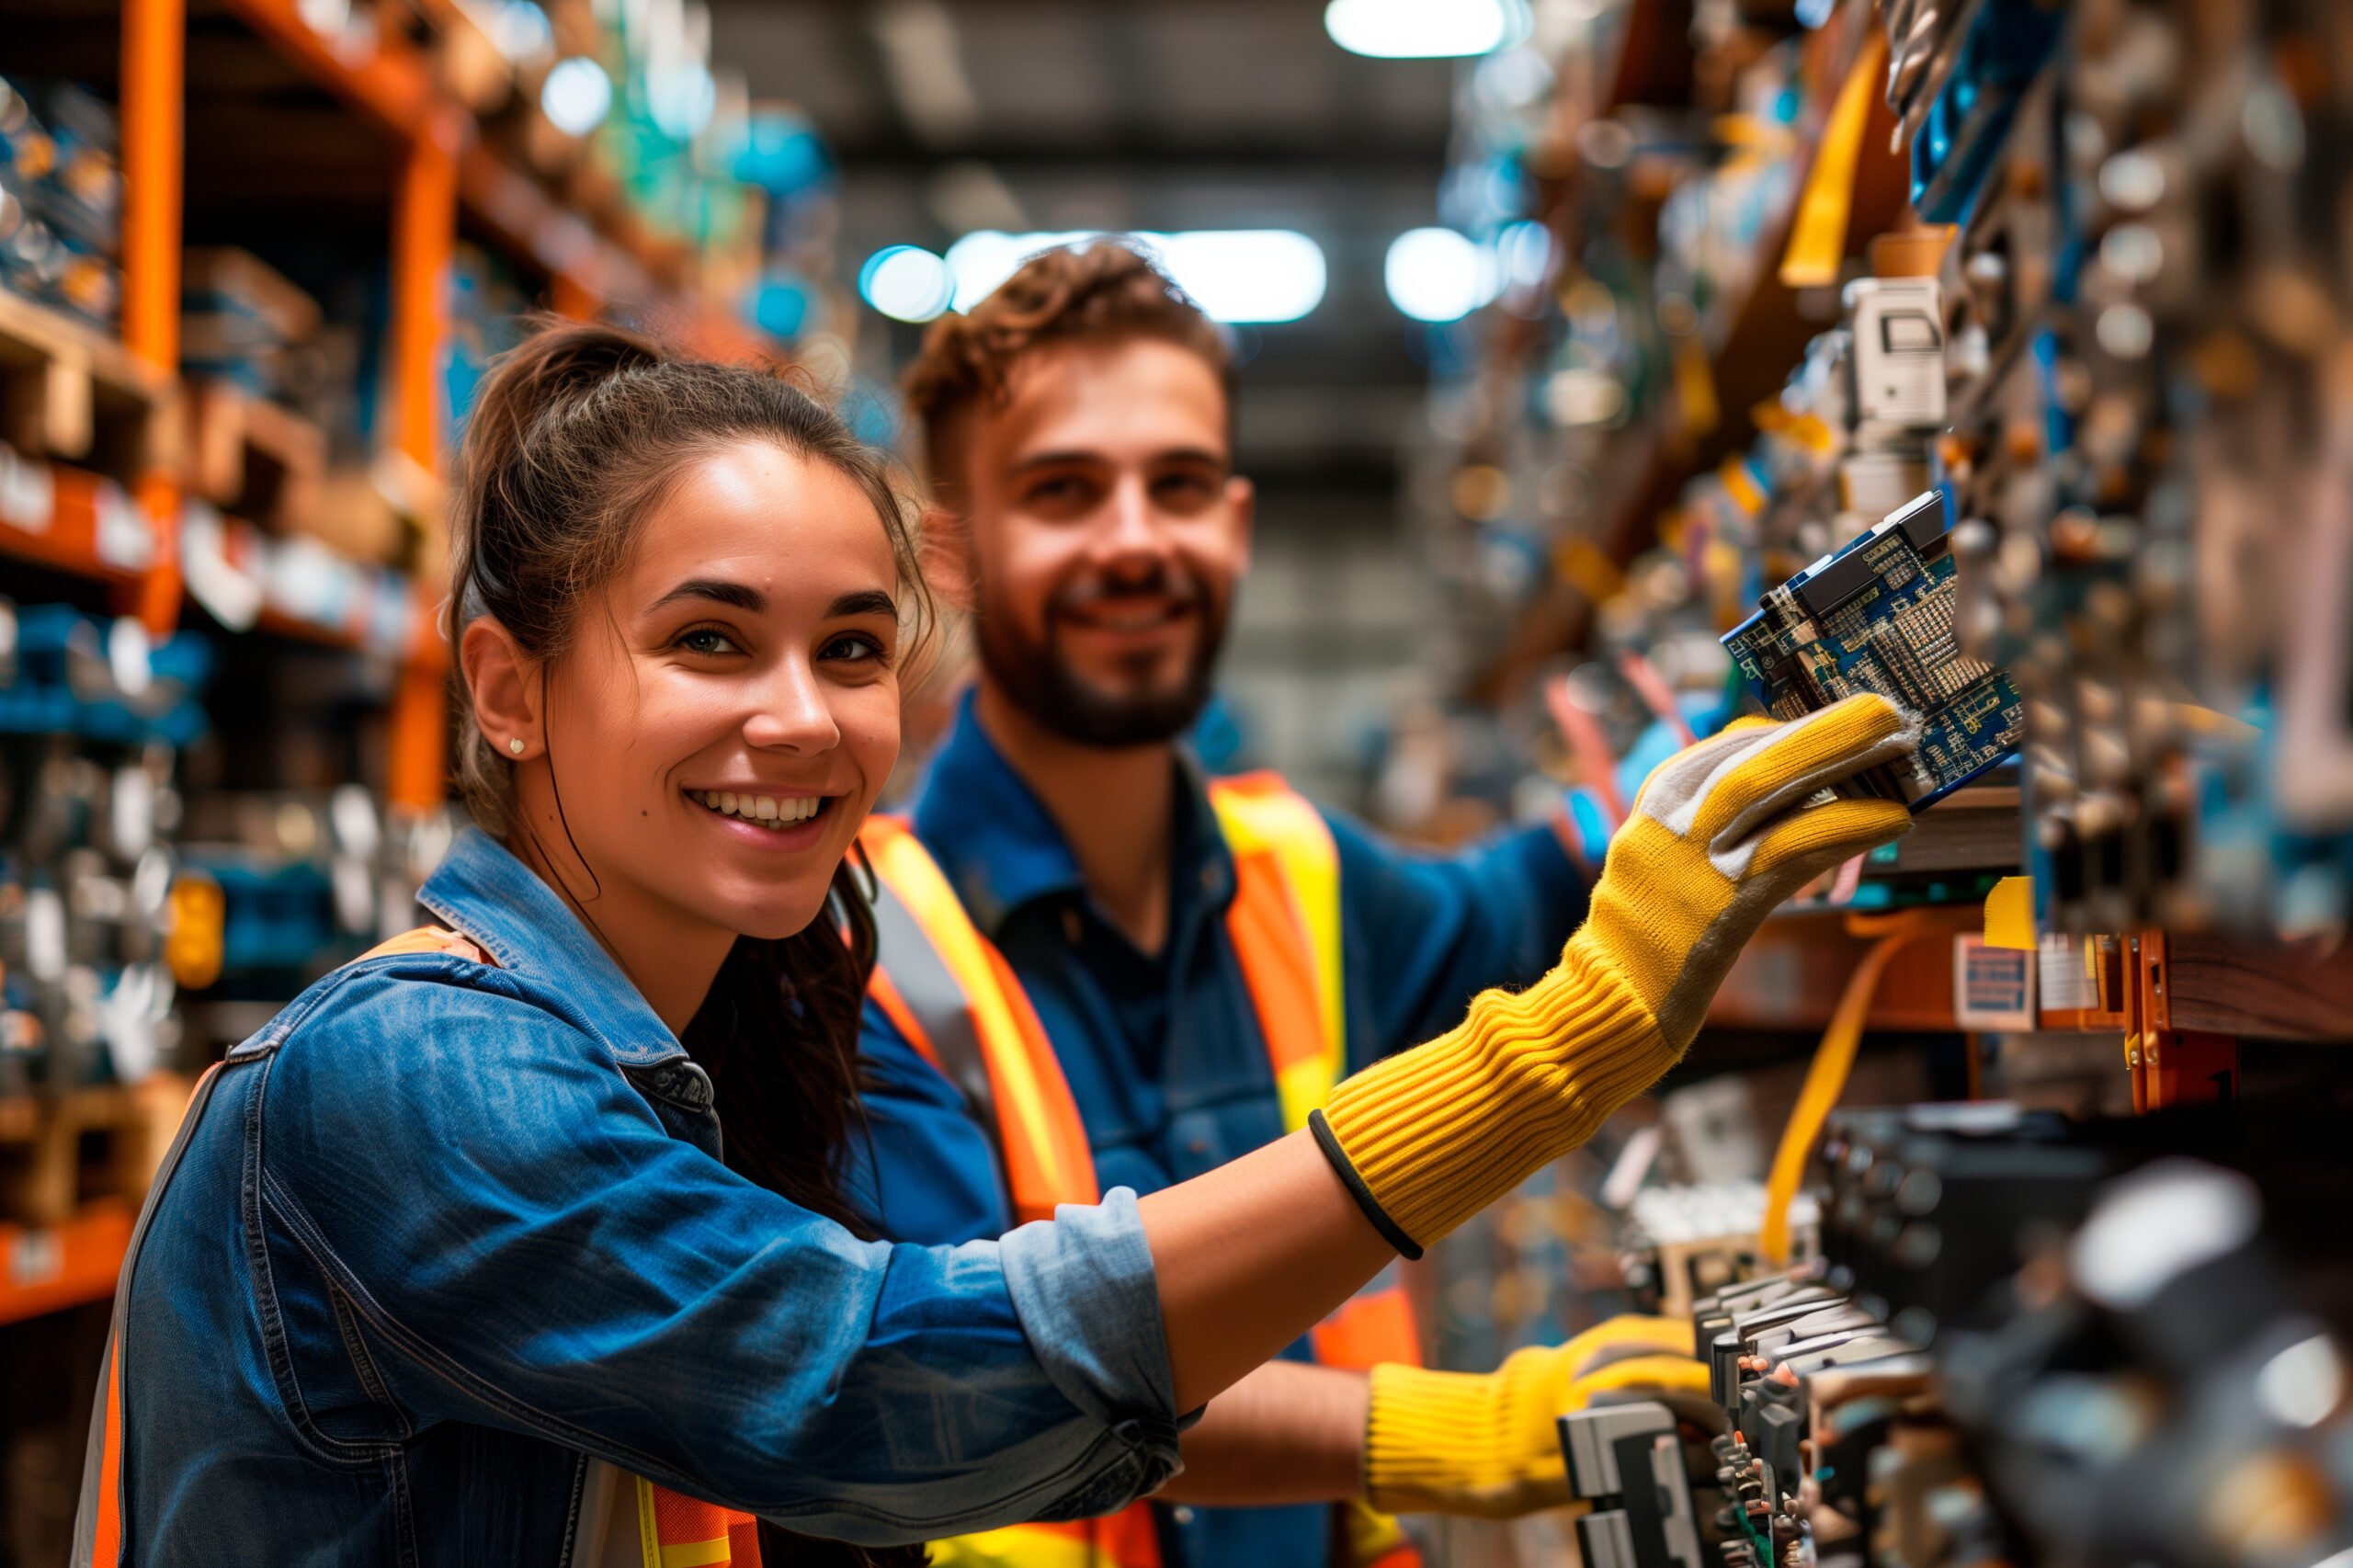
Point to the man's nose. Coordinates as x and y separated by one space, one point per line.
1131 525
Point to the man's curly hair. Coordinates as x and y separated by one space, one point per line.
1106 292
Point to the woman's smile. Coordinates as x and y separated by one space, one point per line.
772 813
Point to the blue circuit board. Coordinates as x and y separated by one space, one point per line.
1877 615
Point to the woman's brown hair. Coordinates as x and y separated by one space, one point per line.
576 437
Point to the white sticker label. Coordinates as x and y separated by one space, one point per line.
27 494
35 1257
125 540
2065 974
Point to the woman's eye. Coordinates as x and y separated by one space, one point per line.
852 647
709 641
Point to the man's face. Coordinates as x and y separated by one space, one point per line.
1107 532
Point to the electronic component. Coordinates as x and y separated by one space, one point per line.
1899 350
1877 615
1628 1461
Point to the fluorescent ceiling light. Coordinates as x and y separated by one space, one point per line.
1246 275
1422 29
907 283
1235 275
1437 275
576 95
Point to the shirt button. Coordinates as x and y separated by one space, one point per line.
1197 1146
1072 929
1181 1514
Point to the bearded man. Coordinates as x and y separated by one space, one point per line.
1203 958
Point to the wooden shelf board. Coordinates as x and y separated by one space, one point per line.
1790 974
2242 987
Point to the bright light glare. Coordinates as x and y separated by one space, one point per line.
576 95
907 283
1235 275
1246 275
1436 275
521 30
1422 29
681 99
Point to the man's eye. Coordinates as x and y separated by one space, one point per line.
708 640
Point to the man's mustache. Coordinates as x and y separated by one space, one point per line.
1176 584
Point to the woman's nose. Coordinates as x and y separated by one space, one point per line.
792 714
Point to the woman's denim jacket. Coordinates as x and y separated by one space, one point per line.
442 1233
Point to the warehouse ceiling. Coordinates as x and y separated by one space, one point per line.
1140 114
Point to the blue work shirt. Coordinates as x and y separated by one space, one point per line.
443 1233
1162 1051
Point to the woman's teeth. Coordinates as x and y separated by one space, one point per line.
761 811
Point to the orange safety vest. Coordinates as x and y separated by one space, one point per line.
960 1005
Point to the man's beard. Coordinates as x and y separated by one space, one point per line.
1039 681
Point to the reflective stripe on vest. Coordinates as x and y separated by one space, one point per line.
1284 922
677 1532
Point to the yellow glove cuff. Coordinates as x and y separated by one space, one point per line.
1435 1134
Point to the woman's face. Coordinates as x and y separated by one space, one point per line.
719 729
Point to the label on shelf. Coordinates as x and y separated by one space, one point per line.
126 541
1993 988
35 1257
27 493
2066 974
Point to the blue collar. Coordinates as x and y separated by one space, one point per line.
485 893
1001 849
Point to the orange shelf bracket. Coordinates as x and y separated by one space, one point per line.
2170 1066
154 63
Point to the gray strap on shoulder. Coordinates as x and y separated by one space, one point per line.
938 1002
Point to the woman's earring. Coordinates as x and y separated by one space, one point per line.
515 745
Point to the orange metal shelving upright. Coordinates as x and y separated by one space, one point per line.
425 238
155 59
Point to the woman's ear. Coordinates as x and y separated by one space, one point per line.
505 689
945 556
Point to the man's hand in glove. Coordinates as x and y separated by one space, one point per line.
1486 1444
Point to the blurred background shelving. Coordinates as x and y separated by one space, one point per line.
1571 380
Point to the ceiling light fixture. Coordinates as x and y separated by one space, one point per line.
1437 275
1425 29
1235 275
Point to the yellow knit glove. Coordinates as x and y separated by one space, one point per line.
1487 1444
1720 834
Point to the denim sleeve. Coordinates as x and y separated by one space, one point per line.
921 1167
1434 931
523 1246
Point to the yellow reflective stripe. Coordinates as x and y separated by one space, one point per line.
1304 1087
1282 822
649 1538
909 869
698 1553
1016 1546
